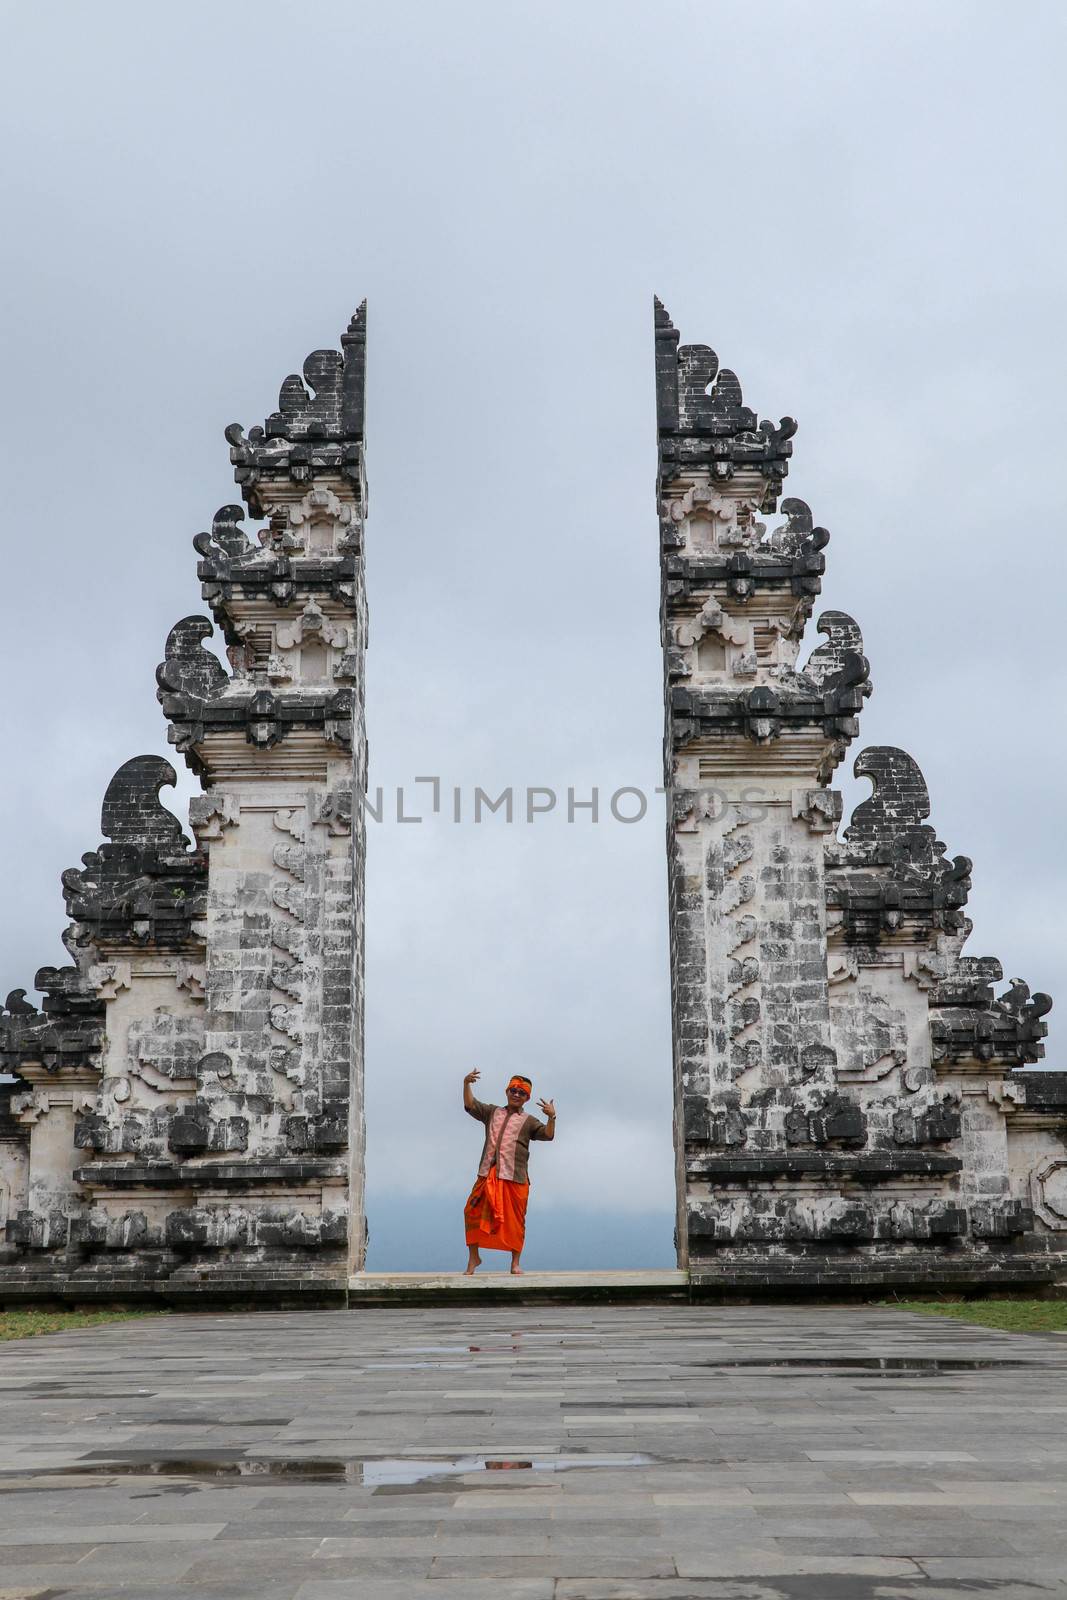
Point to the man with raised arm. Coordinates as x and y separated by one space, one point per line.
495 1214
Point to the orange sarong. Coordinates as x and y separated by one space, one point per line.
495 1214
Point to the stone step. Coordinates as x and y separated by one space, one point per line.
366 1288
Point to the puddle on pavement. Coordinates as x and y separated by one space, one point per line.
368 1471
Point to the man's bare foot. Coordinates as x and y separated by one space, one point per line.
474 1260
517 1272
468 1272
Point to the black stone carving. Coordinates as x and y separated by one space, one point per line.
66 1032
837 1120
198 699
334 408
1008 1030
326 1132
190 1131
132 813
194 1131
703 421
892 868
875 1166
799 572
231 567
235 1175
1001 1219
274 578
762 713
227 540
189 669
1045 1091
17 1005
937 1124
708 1126
800 536
318 426
146 885
783 1220
11 1130
893 816
840 663
891 873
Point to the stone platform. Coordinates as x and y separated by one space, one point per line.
652 1452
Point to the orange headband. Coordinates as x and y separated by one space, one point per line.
523 1083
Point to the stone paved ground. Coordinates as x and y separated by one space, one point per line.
326 1455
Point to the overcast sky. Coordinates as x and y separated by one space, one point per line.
859 205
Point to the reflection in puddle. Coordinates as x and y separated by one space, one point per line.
369 1471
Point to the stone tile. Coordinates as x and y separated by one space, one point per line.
142 1586
106 1562
872 1458
465 1588
555 1564
768 1562
494 1499
1009 1569
115 1533
46 1581
971 1495
240 1532
794 1527
379 1548
299 1569
909 1543
27 1555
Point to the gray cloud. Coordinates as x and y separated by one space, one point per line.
851 202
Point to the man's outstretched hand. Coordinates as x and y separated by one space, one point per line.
548 1107
472 1077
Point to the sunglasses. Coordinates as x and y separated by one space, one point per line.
517 1088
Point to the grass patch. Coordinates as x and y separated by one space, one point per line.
1012 1316
27 1324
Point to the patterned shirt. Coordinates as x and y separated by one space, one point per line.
507 1140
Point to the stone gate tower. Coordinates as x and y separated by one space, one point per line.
188 1116
847 1105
